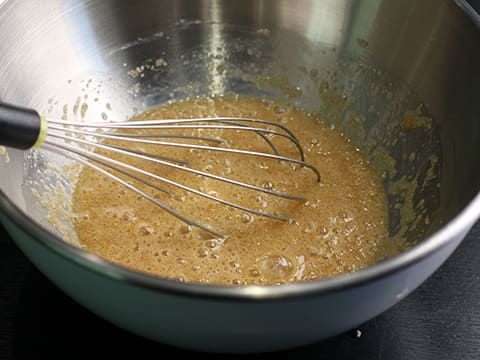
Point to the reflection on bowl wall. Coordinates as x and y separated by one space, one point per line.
398 78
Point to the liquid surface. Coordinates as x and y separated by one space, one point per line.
339 229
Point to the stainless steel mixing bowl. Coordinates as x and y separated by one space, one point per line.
401 78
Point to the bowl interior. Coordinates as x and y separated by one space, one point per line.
361 66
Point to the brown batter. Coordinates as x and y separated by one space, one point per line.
339 229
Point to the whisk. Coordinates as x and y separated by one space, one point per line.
24 128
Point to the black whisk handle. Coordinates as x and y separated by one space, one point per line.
20 127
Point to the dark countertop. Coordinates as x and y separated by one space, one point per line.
440 320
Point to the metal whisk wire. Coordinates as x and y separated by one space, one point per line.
72 132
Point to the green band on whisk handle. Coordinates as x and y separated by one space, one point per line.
20 128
